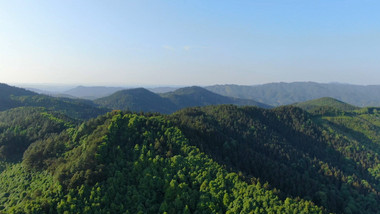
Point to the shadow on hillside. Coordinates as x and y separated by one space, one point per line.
289 153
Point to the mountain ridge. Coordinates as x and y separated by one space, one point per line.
92 92
137 99
142 99
12 97
277 94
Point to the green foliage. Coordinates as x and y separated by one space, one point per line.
5 96
287 148
142 164
75 108
20 127
23 191
151 168
326 102
361 132
215 159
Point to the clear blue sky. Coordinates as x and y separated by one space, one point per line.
189 42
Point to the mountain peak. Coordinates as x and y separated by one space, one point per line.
141 99
190 90
137 99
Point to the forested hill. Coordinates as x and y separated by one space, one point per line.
129 163
333 161
277 94
11 97
212 159
197 96
20 127
137 99
6 93
140 99
326 102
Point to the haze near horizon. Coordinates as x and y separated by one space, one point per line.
189 42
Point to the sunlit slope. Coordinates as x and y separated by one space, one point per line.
133 164
326 102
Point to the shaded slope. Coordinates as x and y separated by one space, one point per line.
20 127
362 129
6 94
197 96
291 151
138 99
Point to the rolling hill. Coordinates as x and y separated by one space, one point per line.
197 96
92 92
137 99
319 156
135 164
326 102
6 94
333 161
22 126
141 99
211 159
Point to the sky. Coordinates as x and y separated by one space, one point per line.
189 42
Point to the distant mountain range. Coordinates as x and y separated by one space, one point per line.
93 92
277 94
273 94
140 99
137 99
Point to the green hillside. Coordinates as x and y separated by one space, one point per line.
132 164
6 94
11 97
326 102
362 129
20 127
213 159
295 152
